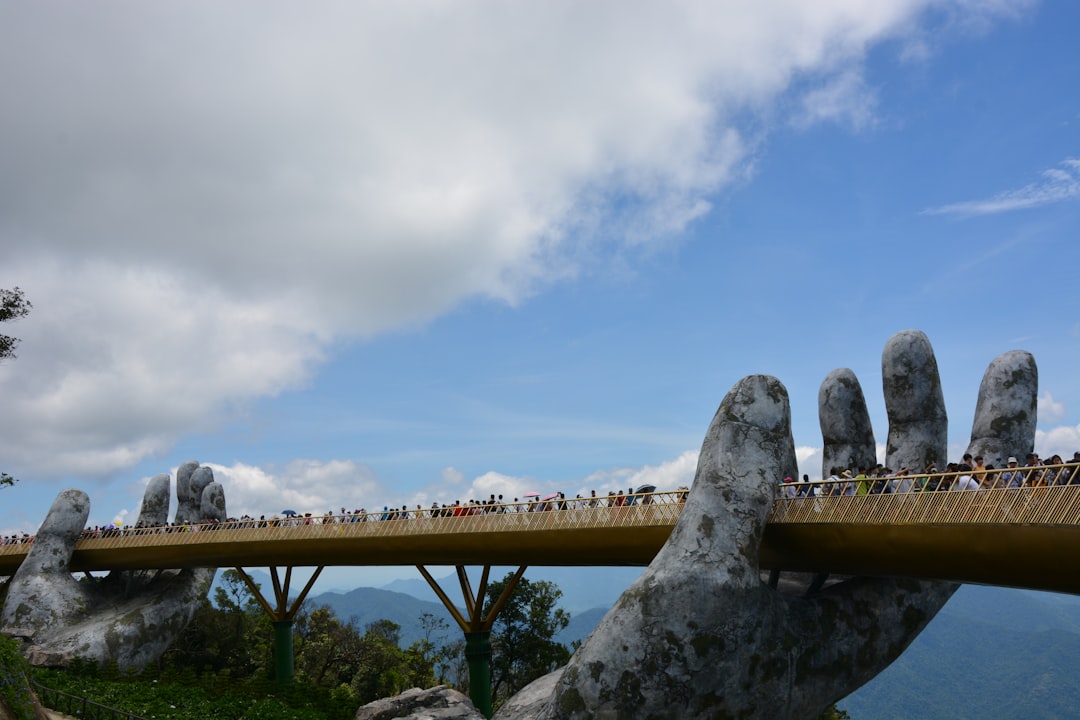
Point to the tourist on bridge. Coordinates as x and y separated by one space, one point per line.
1013 477
965 481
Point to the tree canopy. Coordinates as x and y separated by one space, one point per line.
523 647
13 305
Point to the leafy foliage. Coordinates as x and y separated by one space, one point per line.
522 637
14 694
228 647
13 305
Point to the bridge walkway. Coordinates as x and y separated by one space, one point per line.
1027 536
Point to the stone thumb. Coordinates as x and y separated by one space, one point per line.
747 451
55 540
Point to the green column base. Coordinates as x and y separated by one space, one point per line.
283 651
478 655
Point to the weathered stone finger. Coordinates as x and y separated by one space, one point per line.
187 500
1006 411
707 570
846 433
918 423
213 503
155 503
747 451
190 507
42 593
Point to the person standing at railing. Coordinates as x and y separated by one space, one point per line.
1013 476
862 482
979 471
847 488
787 488
1053 475
882 483
965 481
1033 470
902 482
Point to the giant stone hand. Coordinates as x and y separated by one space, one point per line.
699 635
126 617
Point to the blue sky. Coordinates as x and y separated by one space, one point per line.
396 254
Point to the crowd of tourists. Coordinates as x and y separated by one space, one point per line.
969 474
493 505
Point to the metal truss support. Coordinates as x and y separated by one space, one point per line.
281 615
477 628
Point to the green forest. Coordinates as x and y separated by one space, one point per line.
222 665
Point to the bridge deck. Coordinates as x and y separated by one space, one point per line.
1019 537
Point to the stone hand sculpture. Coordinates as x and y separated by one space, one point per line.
126 617
699 635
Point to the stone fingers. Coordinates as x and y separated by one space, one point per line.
1005 412
212 506
918 423
187 504
846 433
42 594
155 504
200 497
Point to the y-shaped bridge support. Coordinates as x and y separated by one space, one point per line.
477 628
281 616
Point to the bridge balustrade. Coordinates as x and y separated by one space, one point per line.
1044 495
1026 536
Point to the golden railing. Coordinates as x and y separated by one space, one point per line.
1023 496
1026 536
581 529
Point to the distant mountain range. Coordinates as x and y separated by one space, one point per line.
990 653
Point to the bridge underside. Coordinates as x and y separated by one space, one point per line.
1041 557
1038 557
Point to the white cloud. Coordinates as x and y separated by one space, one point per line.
1063 440
117 361
665 476
842 98
197 204
1057 184
452 476
1050 410
301 485
809 459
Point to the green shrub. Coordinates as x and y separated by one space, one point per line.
13 691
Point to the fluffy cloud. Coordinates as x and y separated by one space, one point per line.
1050 410
198 200
1063 440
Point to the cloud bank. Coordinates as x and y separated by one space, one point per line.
199 200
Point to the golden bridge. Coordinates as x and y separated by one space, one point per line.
1018 530
1026 536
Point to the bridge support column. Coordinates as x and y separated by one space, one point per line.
283 650
478 656
281 615
477 628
